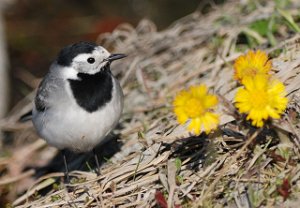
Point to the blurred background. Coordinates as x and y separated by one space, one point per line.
36 30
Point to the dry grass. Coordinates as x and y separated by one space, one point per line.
237 166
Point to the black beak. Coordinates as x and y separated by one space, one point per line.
115 56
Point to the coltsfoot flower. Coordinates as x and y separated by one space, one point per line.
196 105
251 64
261 98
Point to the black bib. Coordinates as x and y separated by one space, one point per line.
92 91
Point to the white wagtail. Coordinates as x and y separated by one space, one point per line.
79 101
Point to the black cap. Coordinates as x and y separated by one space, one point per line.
67 54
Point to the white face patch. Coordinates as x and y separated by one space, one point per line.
81 64
69 73
82 57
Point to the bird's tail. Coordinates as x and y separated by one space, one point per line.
26 117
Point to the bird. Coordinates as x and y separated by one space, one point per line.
79 101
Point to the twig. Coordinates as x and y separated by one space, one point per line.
26 174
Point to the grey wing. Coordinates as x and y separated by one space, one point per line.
50 85
41 102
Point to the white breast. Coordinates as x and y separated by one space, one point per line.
66 125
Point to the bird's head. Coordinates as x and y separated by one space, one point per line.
85 57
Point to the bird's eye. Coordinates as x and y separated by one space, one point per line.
91 60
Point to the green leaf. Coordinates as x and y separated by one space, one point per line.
178 164
55 198
260 26
254 38
179 180
282 3
289 19
272 27
141 135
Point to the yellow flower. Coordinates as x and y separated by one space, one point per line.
251 64
195 105
261 98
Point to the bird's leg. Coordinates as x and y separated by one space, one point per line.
67 178
97 162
